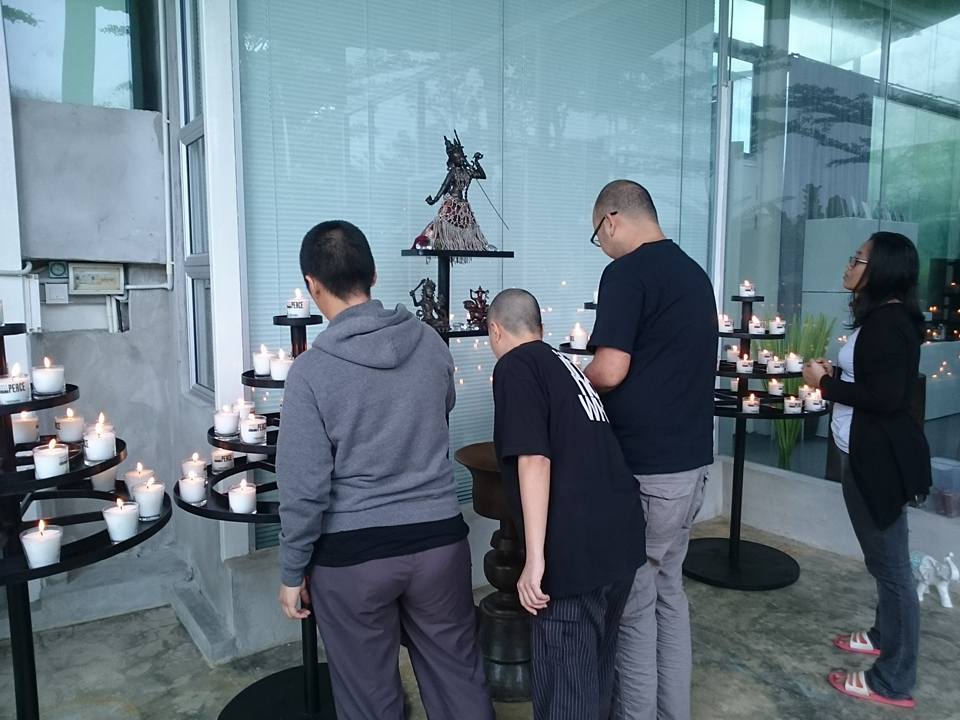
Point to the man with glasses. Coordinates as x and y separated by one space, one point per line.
655 342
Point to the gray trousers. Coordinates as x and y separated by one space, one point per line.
654 655
360 611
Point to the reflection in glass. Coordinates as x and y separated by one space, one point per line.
197 196
202 333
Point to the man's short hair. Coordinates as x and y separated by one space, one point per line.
517 311
336 254
626 197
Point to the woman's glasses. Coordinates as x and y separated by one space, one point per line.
854 260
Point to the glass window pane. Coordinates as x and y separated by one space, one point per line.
191 68
202 333
197 197
75 51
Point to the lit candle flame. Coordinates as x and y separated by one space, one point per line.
119 503
99 428
69 412
15 370
746 357
52 444
281 355
150 481
101 419
192 475
251 416
225 408
243 484
196 456
24 415
46 362
263 349
297 294
754 320
753 398
43 525
139 468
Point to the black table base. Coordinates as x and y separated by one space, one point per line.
281 697
758 567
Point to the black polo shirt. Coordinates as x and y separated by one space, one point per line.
658 305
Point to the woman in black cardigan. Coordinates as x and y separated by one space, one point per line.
885 458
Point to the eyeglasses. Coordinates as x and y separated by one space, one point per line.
594 240
854 260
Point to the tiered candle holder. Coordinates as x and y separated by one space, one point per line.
19 489
297 693
443 280
731 562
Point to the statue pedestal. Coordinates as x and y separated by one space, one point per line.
504 624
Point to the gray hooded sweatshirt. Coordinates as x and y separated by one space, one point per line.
363 433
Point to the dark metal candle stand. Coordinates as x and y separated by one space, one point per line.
297 693
731 562
19 488
504 626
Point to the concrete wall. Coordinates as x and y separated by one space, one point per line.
90 182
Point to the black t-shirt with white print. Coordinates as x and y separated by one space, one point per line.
595 526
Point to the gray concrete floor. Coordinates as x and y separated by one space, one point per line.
756 655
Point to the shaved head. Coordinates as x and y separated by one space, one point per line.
625 197
516 311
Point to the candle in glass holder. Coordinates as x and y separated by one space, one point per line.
725 323
226 422
99 445
792 406
751 404
243 407
69 427
745 365
803 392
578 338
243 498
50 460
253 429
149 496
261 361
775 387
195 464
102 421
14 387
756 326
298 306
26 428
280 366
735 384
193 489
221 460
747 289
794 363
775 366
48 380
41 545
139 476
777 326
813 402
122 520
732 353
764 357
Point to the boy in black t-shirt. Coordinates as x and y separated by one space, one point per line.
577 506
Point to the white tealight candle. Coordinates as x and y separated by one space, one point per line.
221 460
14 387
280 366
122 520
70 427
195 464
775 366
732 353
193 489
149 497
298 306
226 422
813 401
725 323
756 326
751 404
139 476
578 338
777 326
792 406
243 407
99 445
253 429
794 363
26 428
775 387
41 545
50 460
745 365
102 421
804 391
735 384
261 361
764 357
243 498
48 380
747 289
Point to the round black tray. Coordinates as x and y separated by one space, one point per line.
41 402
237 445
567 350
21 482
766 413
85 551
217 506
297 322
251 379
589 306
12 329
744 299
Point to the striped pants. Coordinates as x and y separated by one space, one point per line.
574 643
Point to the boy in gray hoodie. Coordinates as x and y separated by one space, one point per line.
371 530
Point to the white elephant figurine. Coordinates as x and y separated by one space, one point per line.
928 571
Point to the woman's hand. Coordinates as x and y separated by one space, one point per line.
813 372
528 586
